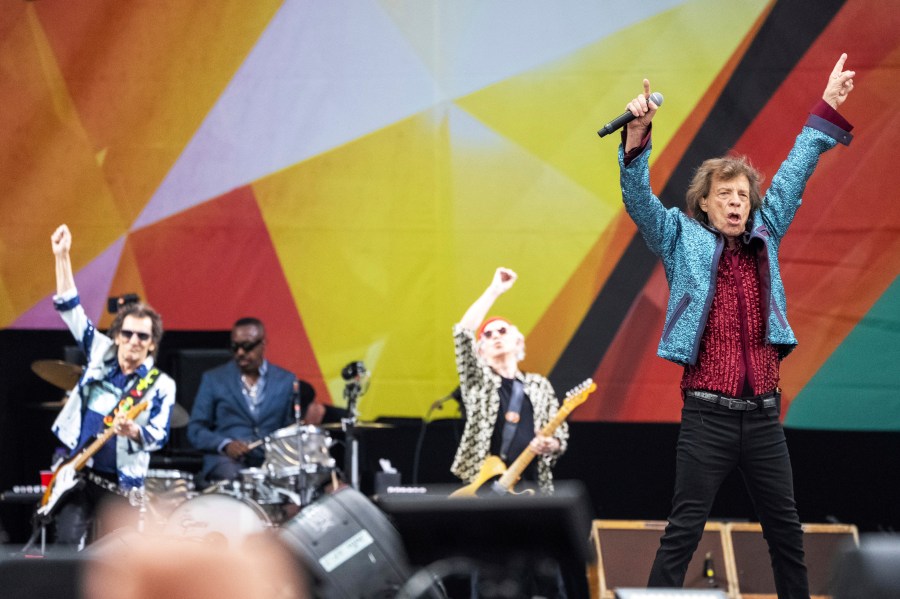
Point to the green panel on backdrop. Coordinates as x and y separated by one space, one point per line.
856 389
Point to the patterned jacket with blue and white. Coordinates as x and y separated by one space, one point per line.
132 458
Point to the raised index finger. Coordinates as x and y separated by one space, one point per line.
839 66
646 88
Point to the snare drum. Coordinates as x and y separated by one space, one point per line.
217 518
298 449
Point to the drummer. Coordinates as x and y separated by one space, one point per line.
241 402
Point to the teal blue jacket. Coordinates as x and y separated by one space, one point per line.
690 250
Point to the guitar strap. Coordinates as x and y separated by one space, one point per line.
511 418
136 390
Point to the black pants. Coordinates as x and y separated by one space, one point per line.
712 442
75 522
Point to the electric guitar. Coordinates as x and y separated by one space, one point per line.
66 477
494 466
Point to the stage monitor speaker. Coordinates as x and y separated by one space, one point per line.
626 550
348 546
45 577
869 571
753 566
493 528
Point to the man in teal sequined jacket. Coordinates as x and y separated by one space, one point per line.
726 324
690 249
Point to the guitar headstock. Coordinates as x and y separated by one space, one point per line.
577 395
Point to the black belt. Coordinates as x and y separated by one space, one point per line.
104 483
766 400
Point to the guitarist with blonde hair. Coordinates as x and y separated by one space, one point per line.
505 407
117 413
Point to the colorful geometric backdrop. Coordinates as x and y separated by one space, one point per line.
352 171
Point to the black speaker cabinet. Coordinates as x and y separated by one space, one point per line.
188 366
348 546
626 549
57 577
753 566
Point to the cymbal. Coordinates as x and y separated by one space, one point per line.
58 373
49 405
179 417
340 425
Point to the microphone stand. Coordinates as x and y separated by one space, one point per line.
301 481
351 459
437 405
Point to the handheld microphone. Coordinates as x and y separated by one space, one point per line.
626 117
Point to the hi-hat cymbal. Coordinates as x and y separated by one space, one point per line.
179 417
340 425
58 373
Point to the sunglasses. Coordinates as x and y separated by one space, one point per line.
247 346
127 335
499 331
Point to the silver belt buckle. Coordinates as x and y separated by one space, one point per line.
735 404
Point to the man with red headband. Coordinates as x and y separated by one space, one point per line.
505 407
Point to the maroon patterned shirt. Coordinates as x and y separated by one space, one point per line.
734 358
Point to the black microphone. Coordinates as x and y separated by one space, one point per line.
456 394
626 117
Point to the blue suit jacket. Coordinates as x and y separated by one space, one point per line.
220 412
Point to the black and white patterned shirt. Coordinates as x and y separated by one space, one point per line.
480 388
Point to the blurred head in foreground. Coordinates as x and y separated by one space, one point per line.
156 566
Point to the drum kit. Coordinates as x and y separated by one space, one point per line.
297 470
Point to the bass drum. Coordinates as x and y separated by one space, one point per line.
218 519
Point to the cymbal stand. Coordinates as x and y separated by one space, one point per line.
348 425
137 496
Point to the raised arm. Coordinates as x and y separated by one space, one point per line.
644 109
61 242
503 280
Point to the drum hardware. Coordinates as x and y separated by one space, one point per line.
137 497
356 383
345 423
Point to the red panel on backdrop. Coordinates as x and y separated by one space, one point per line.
208 266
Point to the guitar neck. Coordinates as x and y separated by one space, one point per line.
88 452
515 470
